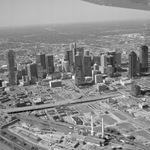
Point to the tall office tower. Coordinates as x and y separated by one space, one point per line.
103 61
113 53
110 70
49 60
87 66
87 53
32 71
65 57
80 50
79 72
69 55
132 64
40 71
118 59
11 66
74 51
96 60
65 66
138 66
72 46
144 58
110 60
40 59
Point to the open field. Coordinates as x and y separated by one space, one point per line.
119 115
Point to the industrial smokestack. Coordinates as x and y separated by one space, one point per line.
92 128
102 128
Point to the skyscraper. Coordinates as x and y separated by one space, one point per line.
144 58
113 53
138 66
118 59
69 56
41 65
11 67
80 50
110 60
32 71
73 49
40 59
49 63
87 53
103 61
132 64
87 66
96 60
79 72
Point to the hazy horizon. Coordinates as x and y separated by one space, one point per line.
15 13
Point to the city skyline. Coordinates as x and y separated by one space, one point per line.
36 12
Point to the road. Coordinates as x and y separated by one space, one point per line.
62 103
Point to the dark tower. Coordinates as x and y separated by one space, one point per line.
87 66
132 64
79 72
11 66
40 59
144 58
49 63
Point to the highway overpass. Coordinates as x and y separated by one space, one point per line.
62 103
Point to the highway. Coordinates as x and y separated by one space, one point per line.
62 103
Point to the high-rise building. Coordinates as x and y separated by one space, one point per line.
110 70
32 70
138 66
110 60
11 66
118 59
132 64
144 58
72 46
103 61
49 63
87 66
69 56
96 60
65 66
74 51
80 50
79 72
87 53
113 53
40 59
41 65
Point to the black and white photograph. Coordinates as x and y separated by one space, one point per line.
74 74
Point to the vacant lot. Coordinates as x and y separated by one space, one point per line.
120 116
108 119
127 127
143 134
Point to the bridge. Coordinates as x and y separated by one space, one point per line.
62 103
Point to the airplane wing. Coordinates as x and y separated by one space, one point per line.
131 4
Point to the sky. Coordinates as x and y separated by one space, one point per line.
37 12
